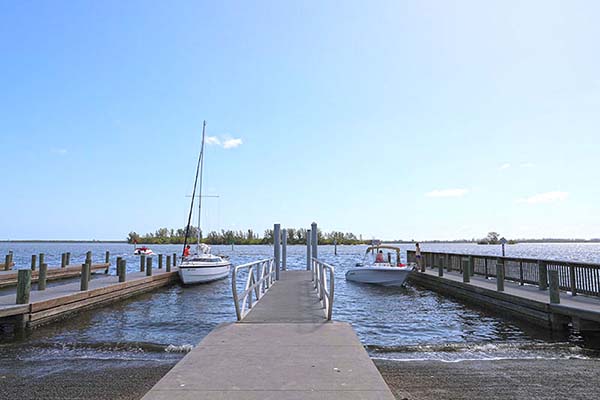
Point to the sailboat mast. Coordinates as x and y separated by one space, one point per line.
198 172
200 189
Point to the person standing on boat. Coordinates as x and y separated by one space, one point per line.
186 252
418 254
379 258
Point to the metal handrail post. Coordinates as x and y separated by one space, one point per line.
331 293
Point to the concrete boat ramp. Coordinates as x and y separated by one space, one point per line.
283 348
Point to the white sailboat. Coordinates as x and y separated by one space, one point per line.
201 266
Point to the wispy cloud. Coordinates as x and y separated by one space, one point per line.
226 143
60 152
232 143
548 197
212 140
527 165
504 166
447 193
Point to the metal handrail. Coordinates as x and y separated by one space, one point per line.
320 279
259 284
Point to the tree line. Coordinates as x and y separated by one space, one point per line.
294 236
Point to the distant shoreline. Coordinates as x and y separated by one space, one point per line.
528 241
62 241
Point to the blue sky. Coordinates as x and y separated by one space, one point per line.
391 119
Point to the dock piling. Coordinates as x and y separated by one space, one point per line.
554 287
308 256
277 248
572 280
500 275
40 261
63 260
448 262
84 276
23 286
466 273
471 266
7 262
122 270
142 262
33 261
314 240
543 275
160 261
42 276
68 257
284 250
168 263
440 269
117 265
107 257
149 266
88 257
174 259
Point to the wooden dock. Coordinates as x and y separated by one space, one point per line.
525 302
58 301
9 278
284 348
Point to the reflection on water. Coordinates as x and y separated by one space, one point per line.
401 323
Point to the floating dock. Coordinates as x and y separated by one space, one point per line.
283 348
58 301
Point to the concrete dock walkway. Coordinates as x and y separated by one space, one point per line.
283 349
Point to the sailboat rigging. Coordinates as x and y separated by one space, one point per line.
202 266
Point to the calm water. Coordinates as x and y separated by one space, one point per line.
398 323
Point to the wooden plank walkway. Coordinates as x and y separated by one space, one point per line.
525 302
57 301
283 349
9 278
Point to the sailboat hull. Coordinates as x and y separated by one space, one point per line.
201 272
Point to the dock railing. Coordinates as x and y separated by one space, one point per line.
324 285
260 276
574 277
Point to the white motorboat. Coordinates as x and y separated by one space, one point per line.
380 271
202 266
142 251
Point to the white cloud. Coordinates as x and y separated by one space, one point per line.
212 140
548 197
60 152
232 143
504 166
224 142
447 193
527 165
